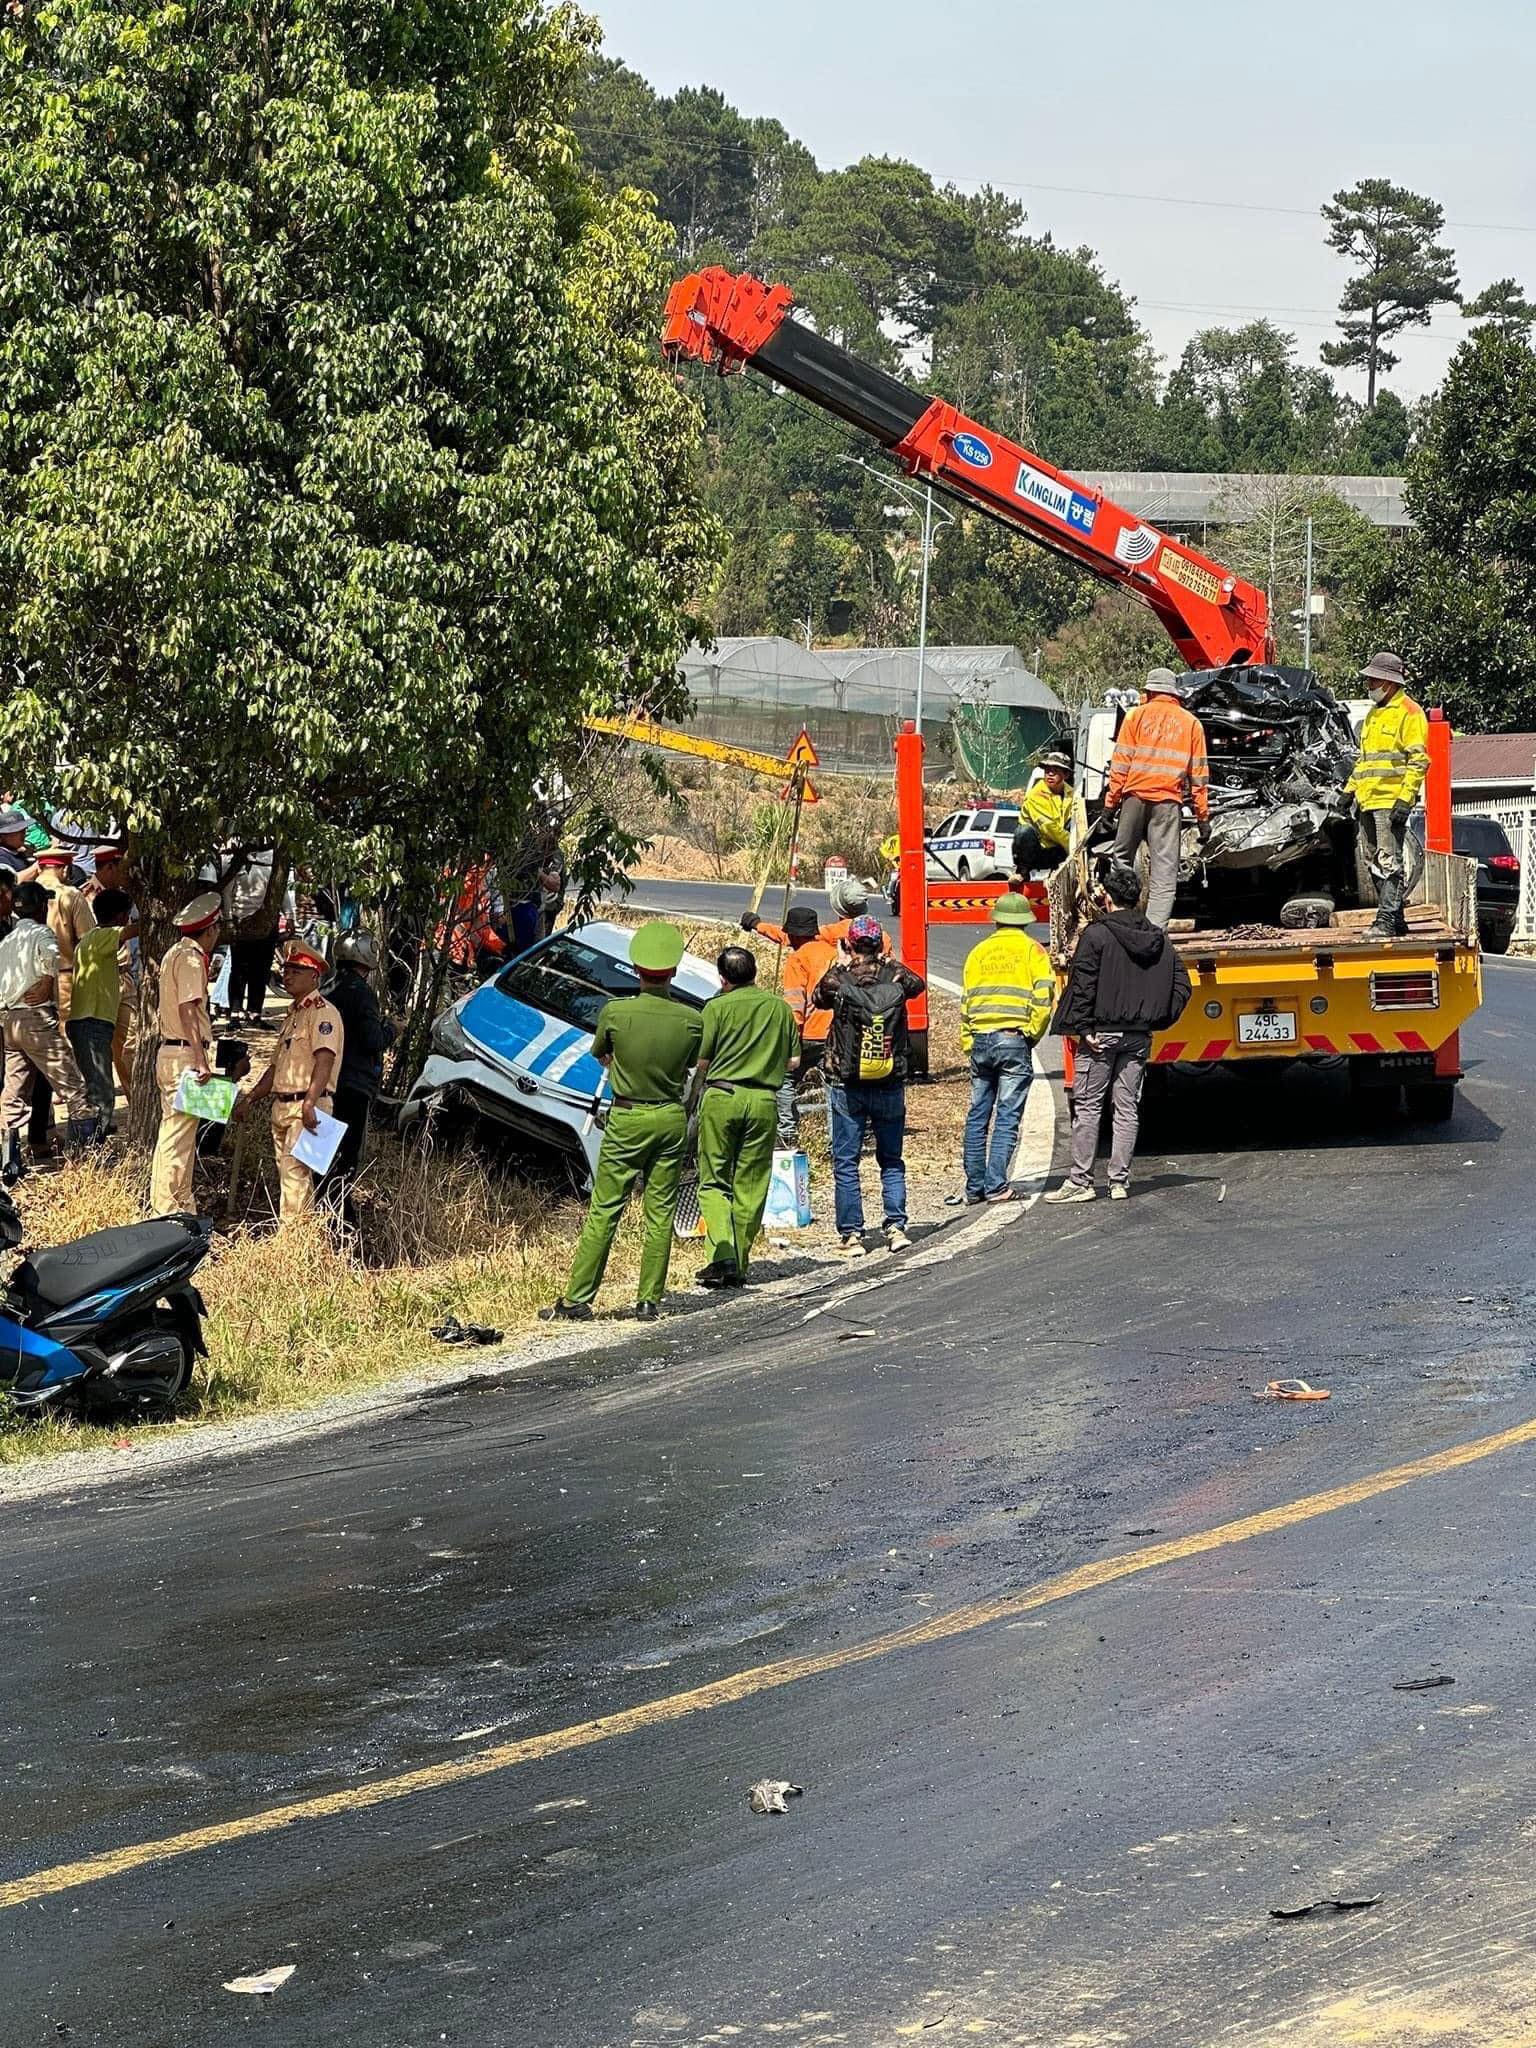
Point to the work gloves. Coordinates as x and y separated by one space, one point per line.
1203 827
1401 812
750 920
1350 805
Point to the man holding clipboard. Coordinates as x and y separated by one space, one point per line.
301 1079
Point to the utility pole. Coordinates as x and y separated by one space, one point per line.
1306 605
922 612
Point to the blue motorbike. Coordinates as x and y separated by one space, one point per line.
111 1320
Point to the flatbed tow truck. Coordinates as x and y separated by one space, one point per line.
1391 1008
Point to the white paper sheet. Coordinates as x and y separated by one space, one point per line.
317 1148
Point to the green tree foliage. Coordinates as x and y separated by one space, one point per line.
337 471
1238 400
992 588
1402 272
1110 645
1379 441
1502 304
1459 597
863 254
1264 541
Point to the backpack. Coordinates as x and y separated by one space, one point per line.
875 1011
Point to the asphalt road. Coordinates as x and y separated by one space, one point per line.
947 944
1072 1711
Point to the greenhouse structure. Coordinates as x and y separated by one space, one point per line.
985 714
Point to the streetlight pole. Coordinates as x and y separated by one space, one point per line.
930 511
922 613
1306 606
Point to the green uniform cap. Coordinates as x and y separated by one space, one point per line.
1013 909
657 947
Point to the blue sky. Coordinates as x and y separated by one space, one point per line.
1266 110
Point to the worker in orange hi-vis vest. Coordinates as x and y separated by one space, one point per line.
807 959
1158 766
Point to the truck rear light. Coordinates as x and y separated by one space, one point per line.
1405 991
989 847
1506 863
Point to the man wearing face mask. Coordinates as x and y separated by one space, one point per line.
1385 783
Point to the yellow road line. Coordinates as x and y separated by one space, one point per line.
743 1685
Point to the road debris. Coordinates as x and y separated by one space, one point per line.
847 1336
264 1985
1324 1906
769 1795
1422 1684
451 1331
1291 1390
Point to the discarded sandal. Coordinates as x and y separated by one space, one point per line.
1291 1390
451 1331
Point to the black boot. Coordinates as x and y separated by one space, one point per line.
1390 922
567 1312
11 1167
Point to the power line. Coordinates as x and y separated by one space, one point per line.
749 149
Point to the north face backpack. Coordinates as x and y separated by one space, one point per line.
874 1010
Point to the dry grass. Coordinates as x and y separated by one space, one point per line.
295 1319
727 825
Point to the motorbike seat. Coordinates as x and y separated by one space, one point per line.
106 1258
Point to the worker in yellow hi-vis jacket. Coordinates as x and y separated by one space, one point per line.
1005 1007
1385 784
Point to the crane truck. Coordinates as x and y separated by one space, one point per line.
1316 987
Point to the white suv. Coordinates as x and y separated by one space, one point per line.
973 846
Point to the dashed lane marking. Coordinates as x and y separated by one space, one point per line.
744 1685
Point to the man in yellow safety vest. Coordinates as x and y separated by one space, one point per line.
1385 783
1044 836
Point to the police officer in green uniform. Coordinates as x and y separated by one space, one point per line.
648 1043
750 1044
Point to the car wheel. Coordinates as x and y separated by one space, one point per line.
1431 1102
964 869
1496 939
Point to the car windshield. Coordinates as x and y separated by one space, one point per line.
1479 836
572 980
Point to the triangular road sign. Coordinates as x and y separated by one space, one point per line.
802 754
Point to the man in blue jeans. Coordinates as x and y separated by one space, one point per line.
1005 1008
866 1066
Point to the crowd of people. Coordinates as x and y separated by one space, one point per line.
844 1010
70 971
70 967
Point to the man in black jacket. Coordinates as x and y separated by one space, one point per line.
1126 981
368 1036
867 1078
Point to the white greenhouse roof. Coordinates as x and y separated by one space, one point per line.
880 680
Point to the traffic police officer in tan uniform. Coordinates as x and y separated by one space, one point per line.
186 1044
302 1076
70 916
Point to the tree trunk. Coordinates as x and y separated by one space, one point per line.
1370 363
157 935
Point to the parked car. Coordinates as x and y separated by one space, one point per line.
518 1049
1498 878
